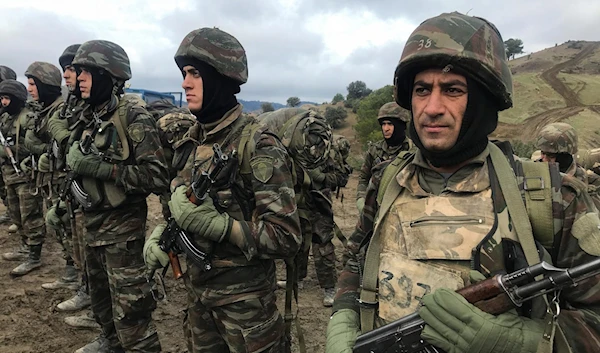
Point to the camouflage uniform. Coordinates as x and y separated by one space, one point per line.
25 208
561 139
232 308
6 73
122 298
436 230
380 151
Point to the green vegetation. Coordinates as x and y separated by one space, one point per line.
293 102
357 90
367 126
267 107
337 98
523 149
587 87
335 116
513 47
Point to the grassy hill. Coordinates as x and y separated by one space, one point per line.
561 83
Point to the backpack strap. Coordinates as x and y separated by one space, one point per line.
538 200
386 195
245 148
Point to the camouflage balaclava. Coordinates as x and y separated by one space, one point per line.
17 93
398 117
221 61
469 46
47 79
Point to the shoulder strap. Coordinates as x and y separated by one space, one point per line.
538 200
386 195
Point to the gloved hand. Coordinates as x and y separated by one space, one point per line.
342 330
360 204
53 220
457 326
154 257
59 129
3 154
44 163
90 165
203 220
25 165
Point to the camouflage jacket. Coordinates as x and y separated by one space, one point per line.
263 200
9 125
376 153
140 173
580 316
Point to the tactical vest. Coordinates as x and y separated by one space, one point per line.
422 244
13 129
113 140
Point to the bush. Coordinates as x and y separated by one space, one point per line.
523 149
337 98
335 116
267 107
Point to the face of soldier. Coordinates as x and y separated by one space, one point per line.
387 128
5 100
85 83
32 89
193 87
70 76
439 102
548 157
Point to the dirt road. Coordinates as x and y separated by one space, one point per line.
30 323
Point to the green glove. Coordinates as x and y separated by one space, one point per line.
360 204
88 164
342 330
456 326
3 154
53 220
44 163
25 165
154 257
59 129
203 220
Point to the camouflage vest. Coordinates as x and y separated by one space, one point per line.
114 141
14 128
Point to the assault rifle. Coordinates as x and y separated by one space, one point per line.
175 240
494 295
9 154
70 184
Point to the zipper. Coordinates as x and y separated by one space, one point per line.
431 220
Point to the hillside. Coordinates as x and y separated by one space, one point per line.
561 83
254 106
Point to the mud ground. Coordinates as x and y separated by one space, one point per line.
29 321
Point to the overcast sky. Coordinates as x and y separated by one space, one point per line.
306 48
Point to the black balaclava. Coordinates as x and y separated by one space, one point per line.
218 92
102 86
480 120
14 107
46 94
75 90
564 161
399 134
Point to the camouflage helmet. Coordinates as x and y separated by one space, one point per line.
6 73
45 72
218 49
392 110
557 138
104 55
14 88
455 41
66 58
341 144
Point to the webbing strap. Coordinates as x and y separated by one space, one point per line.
538 199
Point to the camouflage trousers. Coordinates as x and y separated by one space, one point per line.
122 298
323 252
246 326
26 212
3 190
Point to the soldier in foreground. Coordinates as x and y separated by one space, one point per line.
445 216
6 73
249 217
25 208
393 120
118 170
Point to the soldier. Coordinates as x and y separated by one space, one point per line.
455 205
117 171
6 73
249 217
393 120
25 208
70 278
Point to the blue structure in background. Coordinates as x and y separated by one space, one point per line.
152 96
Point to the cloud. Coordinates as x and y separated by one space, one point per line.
306 48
